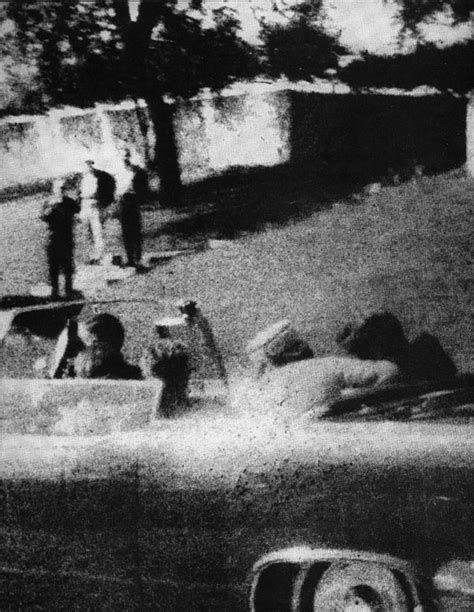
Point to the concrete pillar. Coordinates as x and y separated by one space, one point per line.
470 136
133 6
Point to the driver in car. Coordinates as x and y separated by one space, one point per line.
99 354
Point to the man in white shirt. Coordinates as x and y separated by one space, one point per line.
90 213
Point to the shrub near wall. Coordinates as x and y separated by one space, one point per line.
361 136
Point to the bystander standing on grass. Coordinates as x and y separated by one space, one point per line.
59 215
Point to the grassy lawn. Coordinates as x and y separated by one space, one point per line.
408 249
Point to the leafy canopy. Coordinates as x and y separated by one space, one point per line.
184 56
76 46
412 13
86 51
446 68
298 45
443 68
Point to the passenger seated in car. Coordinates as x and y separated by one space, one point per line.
99 355
169 361
381 336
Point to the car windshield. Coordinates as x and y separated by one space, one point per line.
36 398
31 335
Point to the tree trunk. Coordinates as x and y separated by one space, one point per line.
165 160
141 83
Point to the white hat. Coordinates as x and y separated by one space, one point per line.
279 330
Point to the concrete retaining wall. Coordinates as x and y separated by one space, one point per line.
345 134
45 147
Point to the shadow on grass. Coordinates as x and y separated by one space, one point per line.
229 205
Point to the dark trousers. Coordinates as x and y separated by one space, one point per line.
60 259
132 236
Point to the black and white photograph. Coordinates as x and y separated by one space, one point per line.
236 305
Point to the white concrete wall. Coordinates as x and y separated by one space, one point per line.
52 145
212 135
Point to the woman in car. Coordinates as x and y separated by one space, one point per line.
96 351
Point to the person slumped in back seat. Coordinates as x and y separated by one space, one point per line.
381 337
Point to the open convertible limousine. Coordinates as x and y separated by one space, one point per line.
106 504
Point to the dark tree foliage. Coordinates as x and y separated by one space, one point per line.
300 48
92 51
77 47
414 12
168 52
299 51
88 52
447 68
185 58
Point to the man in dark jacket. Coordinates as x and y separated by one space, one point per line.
59 215
130 213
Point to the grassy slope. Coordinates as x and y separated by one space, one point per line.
407 249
